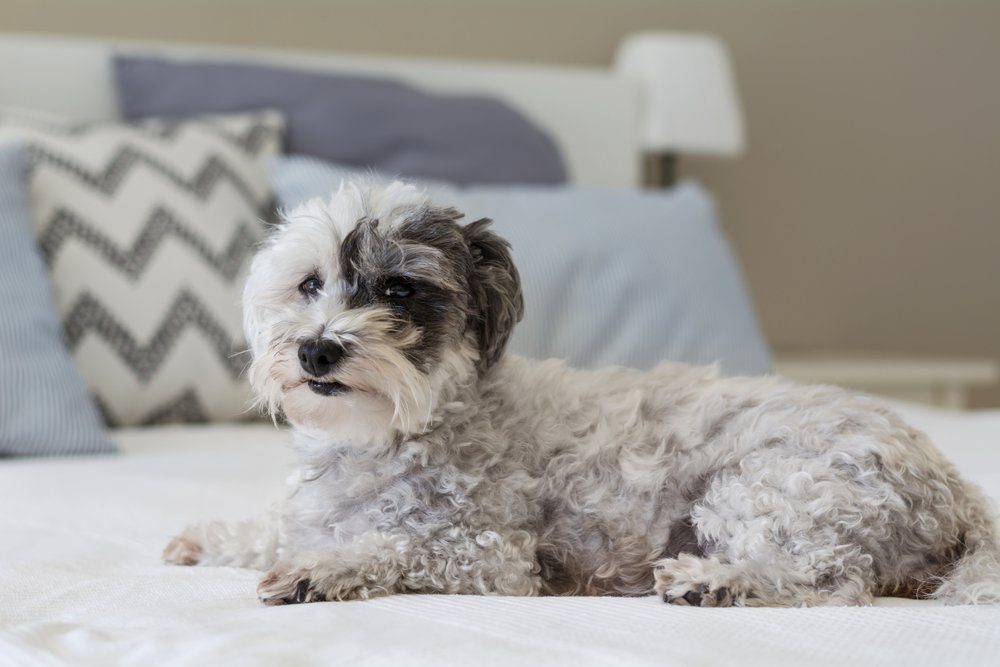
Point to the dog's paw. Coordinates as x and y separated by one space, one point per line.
696 582
281 586
699 596
182 551
287 583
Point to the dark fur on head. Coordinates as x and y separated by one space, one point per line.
496 291
463 276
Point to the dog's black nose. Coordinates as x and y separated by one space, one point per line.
318 357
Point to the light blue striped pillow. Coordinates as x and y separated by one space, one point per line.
44 405
610 277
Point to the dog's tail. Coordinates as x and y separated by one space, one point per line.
975 575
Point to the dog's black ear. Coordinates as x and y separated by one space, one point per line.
497 304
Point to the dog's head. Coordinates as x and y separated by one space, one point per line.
363 312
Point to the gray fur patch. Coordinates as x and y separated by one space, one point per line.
683 540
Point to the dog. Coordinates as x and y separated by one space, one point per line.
430 461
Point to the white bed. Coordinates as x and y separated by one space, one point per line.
81 582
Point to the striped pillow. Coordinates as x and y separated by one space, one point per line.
146 229
44 405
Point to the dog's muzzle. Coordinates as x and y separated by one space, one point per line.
318 357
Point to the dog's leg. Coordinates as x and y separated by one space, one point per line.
252 543
710 582
380 564
778 532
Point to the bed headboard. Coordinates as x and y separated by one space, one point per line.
591 113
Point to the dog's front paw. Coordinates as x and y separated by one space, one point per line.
287 588
287 583
687 580
182 550
281 586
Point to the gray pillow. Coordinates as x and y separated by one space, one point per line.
610 277
44 406
354 120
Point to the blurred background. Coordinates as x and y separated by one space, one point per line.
865 207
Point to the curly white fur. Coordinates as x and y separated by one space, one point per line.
450 467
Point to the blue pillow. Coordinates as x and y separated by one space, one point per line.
364 121
44 405
610 277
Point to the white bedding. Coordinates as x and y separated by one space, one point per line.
81 582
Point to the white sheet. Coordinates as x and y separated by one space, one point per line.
81 582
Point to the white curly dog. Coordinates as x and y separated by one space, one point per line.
431 461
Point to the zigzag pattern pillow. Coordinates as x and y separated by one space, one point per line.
146 229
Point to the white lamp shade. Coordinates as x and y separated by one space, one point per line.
690 100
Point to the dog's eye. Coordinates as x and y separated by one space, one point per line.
311 286
398 290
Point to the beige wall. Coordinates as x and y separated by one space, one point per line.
867 209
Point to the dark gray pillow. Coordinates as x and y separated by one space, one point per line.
359 121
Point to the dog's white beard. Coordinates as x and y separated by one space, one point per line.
386 395
389 396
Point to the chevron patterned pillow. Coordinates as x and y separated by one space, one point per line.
146 229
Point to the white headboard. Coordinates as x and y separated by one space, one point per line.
591 113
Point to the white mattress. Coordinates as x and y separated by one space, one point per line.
81 582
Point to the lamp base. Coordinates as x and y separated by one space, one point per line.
661 170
